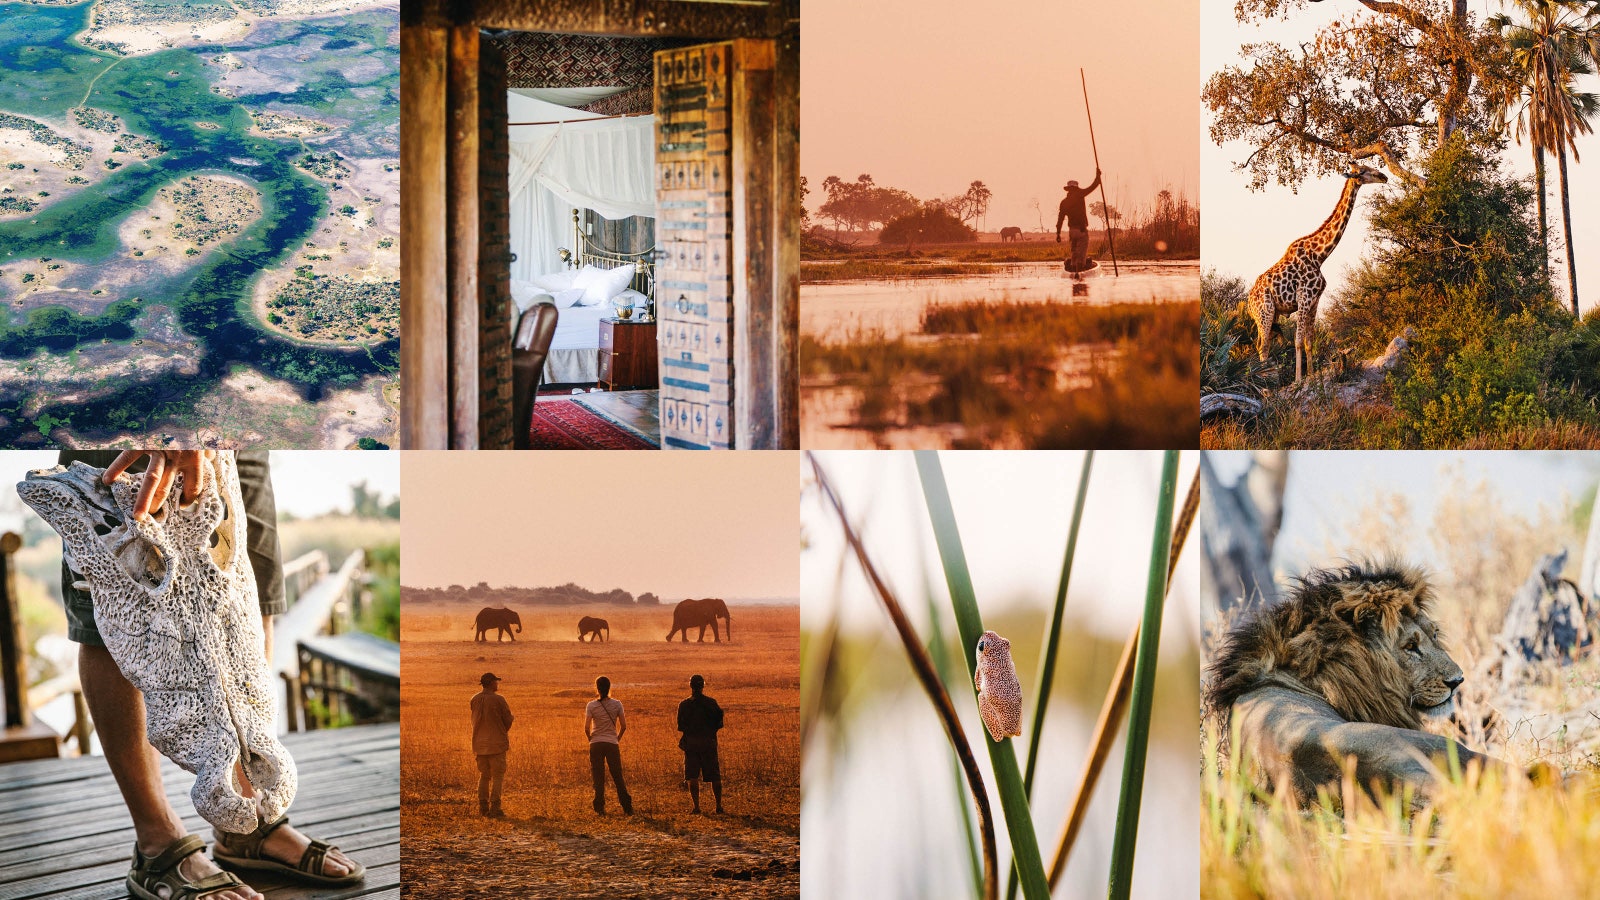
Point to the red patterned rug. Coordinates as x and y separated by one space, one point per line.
564 425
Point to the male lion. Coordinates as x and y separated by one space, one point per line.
1346 667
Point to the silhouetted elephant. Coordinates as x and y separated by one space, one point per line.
490 617
589 625
1011 233
690 613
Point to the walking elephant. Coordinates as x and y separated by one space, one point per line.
1011 233
589 628
501 618
690 613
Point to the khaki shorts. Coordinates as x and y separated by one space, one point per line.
266 560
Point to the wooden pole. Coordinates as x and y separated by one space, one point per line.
1105 211
13 654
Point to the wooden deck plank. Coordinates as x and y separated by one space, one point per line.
349 819
24 820
22 803
65 834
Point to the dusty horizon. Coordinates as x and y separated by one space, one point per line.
612 523
929 101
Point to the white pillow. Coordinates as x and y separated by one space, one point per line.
525 294
600 285
555 281
568 298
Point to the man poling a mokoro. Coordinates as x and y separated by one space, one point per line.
1076 215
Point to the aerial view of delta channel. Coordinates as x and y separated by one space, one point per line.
199 216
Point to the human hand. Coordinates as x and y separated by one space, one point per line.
164 467
1058 237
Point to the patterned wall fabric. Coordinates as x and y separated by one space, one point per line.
573 60
632 101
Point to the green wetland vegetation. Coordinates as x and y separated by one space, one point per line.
161 96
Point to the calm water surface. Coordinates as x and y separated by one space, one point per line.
835 312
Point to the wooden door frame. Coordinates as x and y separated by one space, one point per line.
440 210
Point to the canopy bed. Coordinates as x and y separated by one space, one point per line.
562 162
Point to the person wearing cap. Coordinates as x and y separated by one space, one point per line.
700 718
1077 218
491 724
604 725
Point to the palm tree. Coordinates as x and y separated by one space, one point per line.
1558 42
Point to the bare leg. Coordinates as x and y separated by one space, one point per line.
287 844
117 708
694 793
716 791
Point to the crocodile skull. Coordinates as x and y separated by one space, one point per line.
175 601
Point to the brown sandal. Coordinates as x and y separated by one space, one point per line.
161 870
243 852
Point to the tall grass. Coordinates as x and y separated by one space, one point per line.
1002 755
1144 678
1492 839
1052 645
1027 375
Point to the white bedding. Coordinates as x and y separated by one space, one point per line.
574 350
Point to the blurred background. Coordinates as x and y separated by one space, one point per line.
882 799
1510 540
334 651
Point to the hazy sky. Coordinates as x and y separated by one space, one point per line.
677 524
929 96
1245 232
1328 490
1014 510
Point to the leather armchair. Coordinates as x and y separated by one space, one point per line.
530 345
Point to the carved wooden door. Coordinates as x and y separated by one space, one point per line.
694 243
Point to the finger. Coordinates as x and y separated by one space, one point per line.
119 465
169 474
193 469
147 491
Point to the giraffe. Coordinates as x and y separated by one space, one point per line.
1295 283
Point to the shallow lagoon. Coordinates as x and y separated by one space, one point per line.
838 311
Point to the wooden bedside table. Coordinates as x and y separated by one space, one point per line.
627 354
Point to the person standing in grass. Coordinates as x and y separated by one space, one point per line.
604 724
491 726
700 718
1076 215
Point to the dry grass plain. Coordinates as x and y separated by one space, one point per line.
551 844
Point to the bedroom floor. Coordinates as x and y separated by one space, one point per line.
634 412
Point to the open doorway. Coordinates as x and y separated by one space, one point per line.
600 232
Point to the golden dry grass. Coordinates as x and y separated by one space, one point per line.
551 843
1491 839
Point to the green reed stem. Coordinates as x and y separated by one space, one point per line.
1144 678
941 663
1047 658
1002 755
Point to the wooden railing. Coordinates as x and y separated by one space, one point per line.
300 573
331 676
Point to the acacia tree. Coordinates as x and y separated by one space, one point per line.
1392 80
978 196
861 204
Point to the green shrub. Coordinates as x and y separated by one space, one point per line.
929 225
